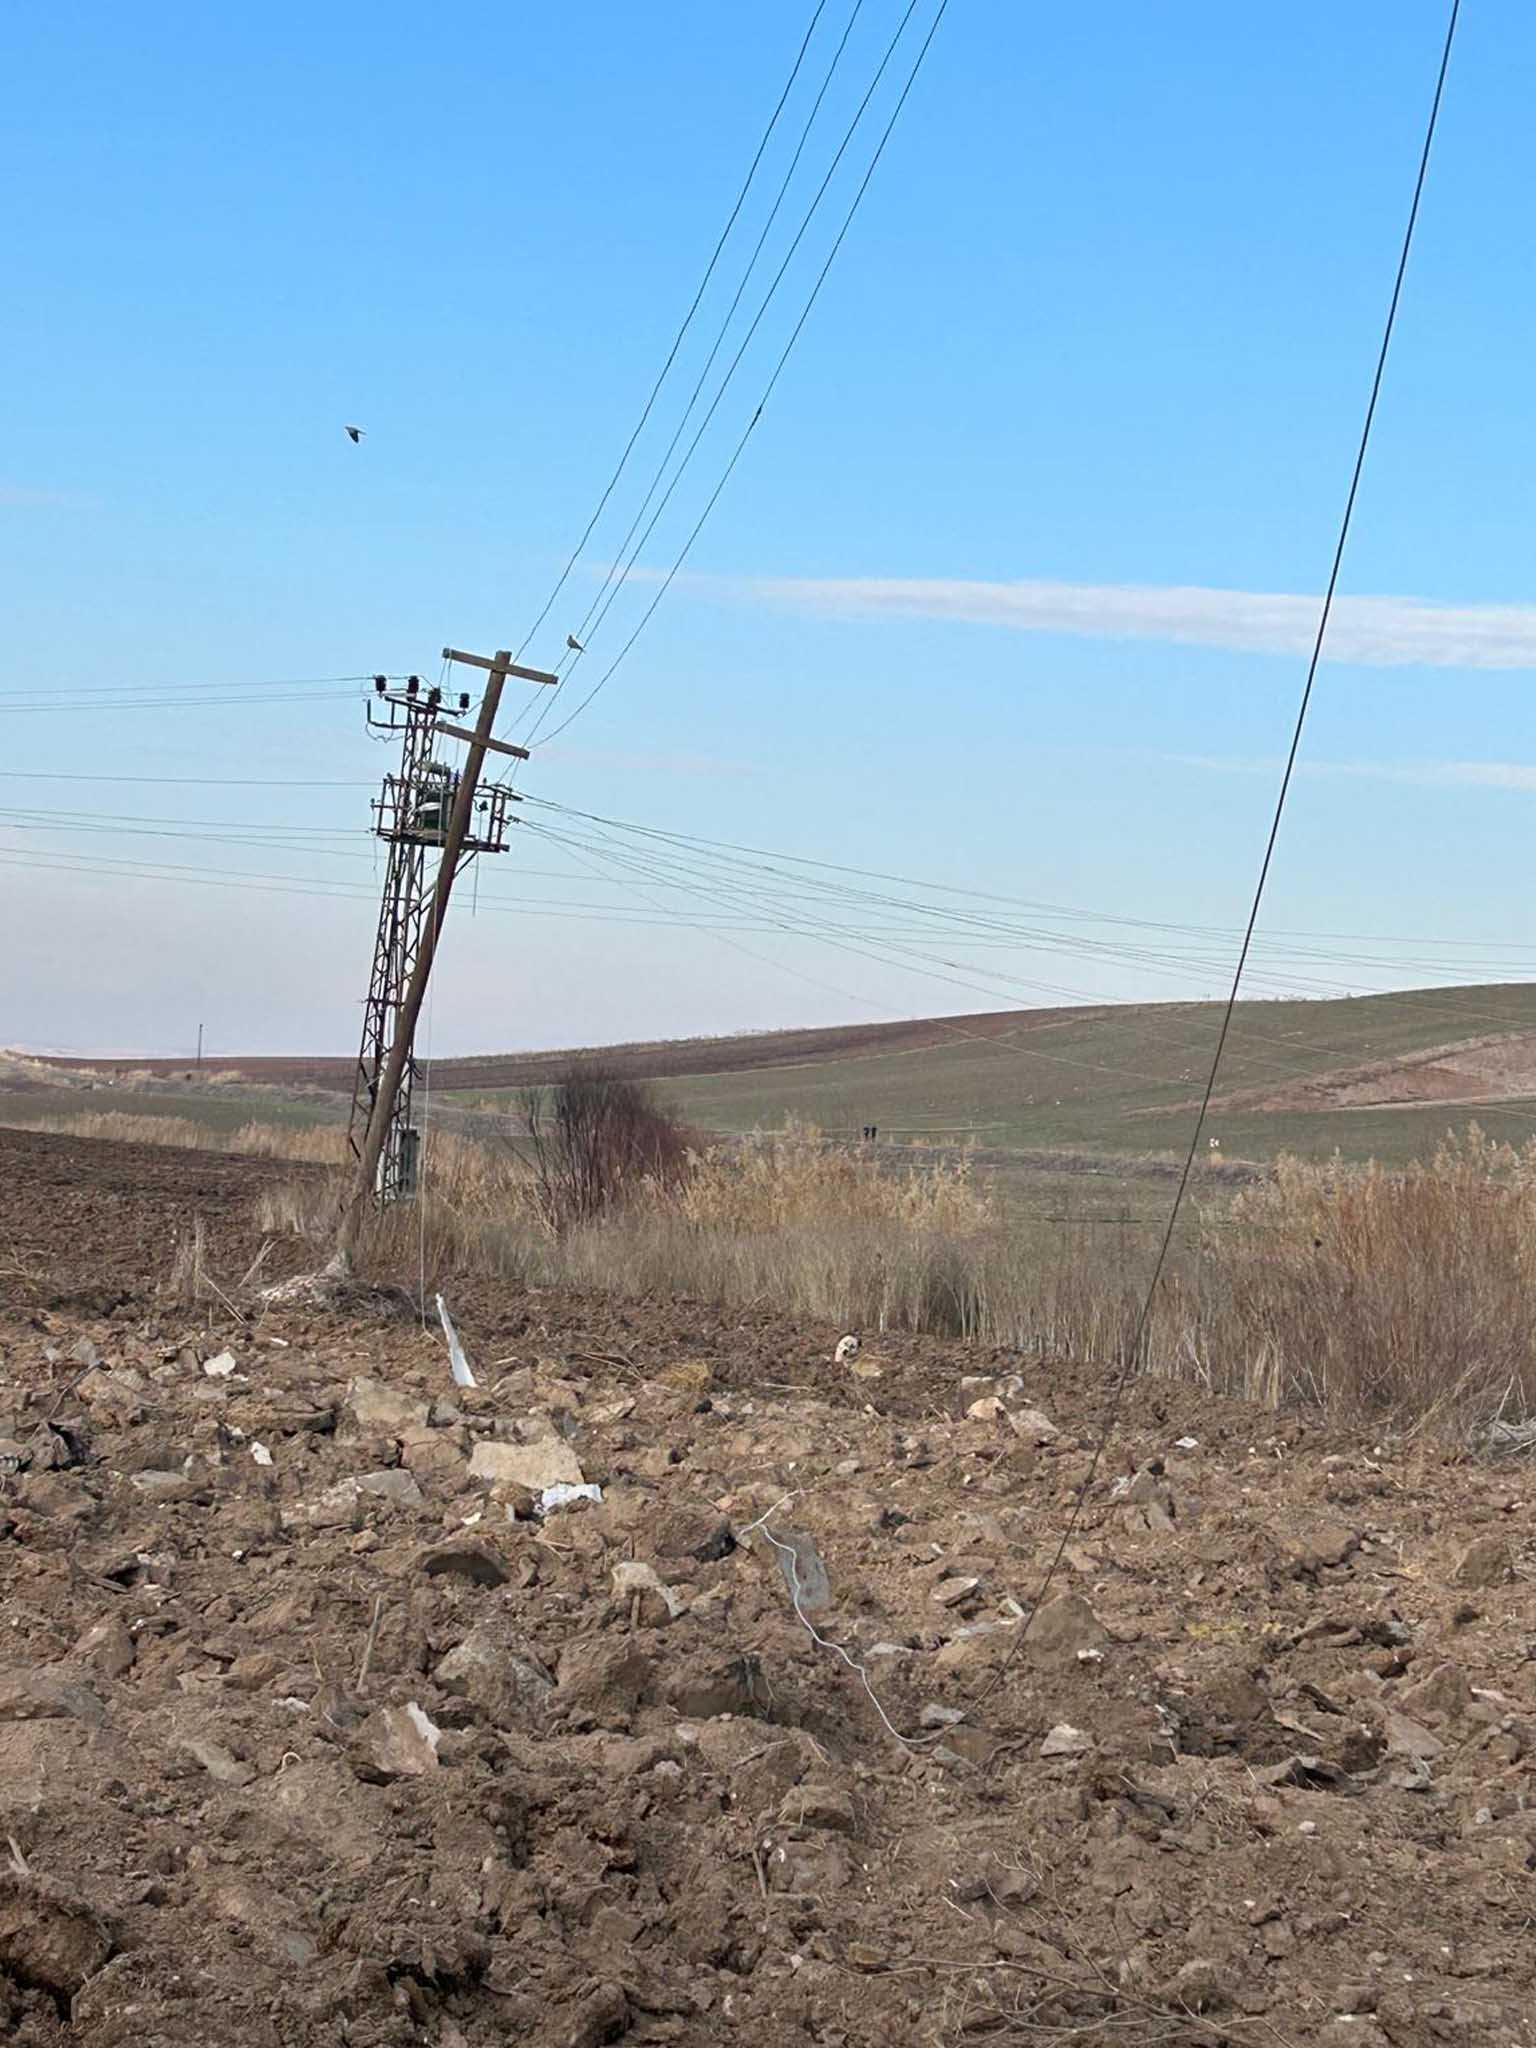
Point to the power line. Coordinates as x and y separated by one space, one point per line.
42 692
177 781
581 632
778 369
1134 1349
677 340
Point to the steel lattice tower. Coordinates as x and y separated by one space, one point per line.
411 817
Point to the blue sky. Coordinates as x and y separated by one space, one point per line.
987 601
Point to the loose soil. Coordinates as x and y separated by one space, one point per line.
352 1747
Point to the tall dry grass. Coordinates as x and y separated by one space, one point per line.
1406 1295
1409 1292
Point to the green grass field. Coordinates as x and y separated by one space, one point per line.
1075 1111
1123 1081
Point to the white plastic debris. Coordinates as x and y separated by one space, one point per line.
429 1732
458 1364
562 1495
261 1454
220 1368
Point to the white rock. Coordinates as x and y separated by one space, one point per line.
550 1462
633 1578
220 1368
1065 1740
391 1485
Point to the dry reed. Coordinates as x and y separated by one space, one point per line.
1404 1295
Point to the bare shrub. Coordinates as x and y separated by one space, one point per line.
597 1140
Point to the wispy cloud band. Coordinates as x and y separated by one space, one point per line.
1377 632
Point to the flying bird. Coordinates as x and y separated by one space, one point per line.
574 644
356 434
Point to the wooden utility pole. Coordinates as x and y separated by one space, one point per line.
499 667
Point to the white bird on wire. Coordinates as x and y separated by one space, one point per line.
356 434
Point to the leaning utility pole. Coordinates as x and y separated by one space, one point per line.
427 805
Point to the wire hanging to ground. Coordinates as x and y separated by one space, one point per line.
1134 1350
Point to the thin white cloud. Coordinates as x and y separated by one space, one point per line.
1516 775
1377 632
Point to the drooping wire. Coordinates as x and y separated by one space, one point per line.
730 314
778 371
678 338
1133 1351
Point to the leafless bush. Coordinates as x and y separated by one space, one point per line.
596 1140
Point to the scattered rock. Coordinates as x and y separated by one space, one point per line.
549 1462
658 1604
1485 1563
38 1696
818 1806
804 1573
339 1507
1062 1629
604 1679
1200 1986
395 1742
1279 1940
1325 1547
1443 1695
49 1938
705 1536
217 1761
602 2016
163 1487
1065 1740
709 1685
398 1487
1146 1504
495 1670
221 1367
107 1648
115 1397
690 1375
1408 1738
950 1592
1032 1425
